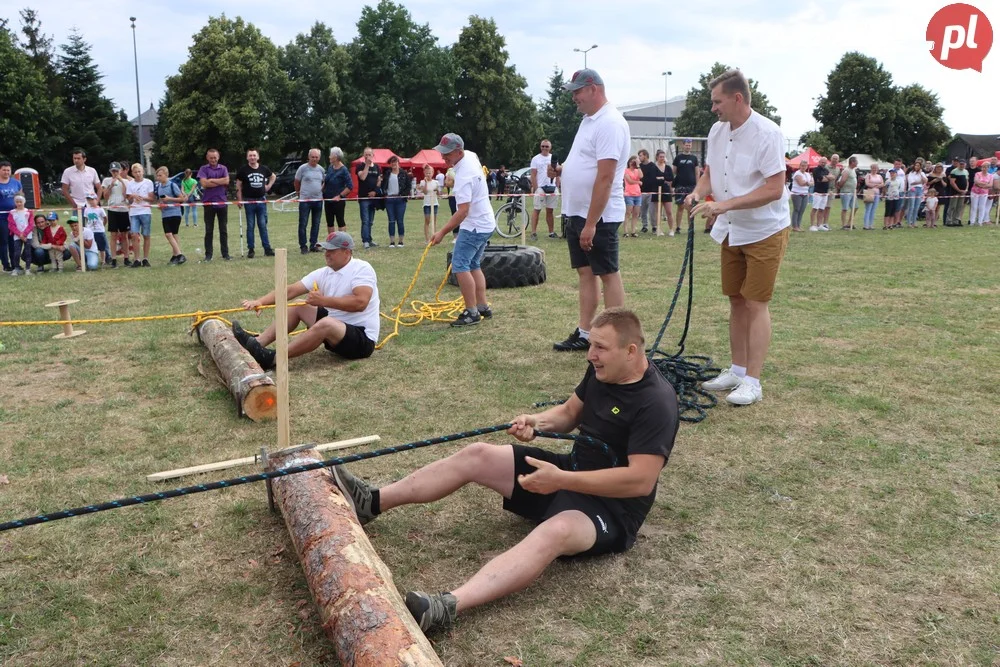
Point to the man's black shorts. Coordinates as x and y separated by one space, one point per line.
680 192
172 224
603 256
118 221
354 345
604 512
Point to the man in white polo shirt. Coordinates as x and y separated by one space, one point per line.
544 190
745 174
594 201
79 181
341 311
473 217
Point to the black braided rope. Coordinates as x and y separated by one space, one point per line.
291 470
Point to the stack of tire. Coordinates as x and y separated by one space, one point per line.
510 266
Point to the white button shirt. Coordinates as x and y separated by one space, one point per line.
739 161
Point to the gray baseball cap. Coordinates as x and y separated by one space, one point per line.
583 78
449 142
338 241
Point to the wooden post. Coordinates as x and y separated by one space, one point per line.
67 331
254 391
360 609
281 343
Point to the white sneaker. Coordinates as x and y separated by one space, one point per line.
745 394
814 228
670 234
724 382
824 228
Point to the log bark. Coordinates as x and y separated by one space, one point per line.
255 393
361 611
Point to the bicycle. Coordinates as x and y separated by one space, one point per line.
512 217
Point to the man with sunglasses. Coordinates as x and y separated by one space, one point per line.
544 190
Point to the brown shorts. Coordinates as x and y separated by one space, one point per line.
750 270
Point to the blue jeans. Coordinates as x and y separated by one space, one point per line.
315 208
92 257
141 223
101 240
870 212
191 211
367 207
913 199
396 210
22 251
257 216
469 249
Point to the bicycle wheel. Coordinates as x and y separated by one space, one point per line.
511 219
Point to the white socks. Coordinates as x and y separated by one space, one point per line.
738 371
585 335
753 382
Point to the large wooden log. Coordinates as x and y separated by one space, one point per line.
255 392
361 611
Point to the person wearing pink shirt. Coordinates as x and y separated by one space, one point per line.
21 225
633 196
979 196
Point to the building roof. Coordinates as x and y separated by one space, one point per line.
656 105
149 117
982 144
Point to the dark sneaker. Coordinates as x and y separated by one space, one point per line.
114 264
553 235
644 230
268 252
136 265
145 263
208 258
173 260
250 253
572 344
466 319
432 611
317 248
304 250
262 355
372 244
127 262
486 313
181 259
357 492
227 258
242 337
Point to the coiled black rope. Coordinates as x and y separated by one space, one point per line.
293 470
685 373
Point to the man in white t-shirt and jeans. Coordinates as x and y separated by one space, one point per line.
544 189
745 174
79 181
594 201
473 217
341 311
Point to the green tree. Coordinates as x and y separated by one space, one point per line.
313 108
39 48
28 132
559 116
819 142
697 118
495 116
89 119
919 129
401 83
858 112
225 96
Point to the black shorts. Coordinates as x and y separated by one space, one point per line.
171 225
680 192
892 206
604 512
603 256
118 221
354 345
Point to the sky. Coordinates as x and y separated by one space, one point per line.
788 47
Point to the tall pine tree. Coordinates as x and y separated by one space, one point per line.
559 116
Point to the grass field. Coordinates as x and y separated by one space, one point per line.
852 518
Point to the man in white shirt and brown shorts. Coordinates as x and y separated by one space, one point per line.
745 174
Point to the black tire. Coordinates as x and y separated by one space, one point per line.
510 266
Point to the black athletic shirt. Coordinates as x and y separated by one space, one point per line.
637 418
649 176
685 170
253 181
821 187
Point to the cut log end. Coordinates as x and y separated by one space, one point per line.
253 391
261 403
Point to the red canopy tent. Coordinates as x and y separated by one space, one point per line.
807 154
381 158
425 157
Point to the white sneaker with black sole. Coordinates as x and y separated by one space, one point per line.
725 381
745 394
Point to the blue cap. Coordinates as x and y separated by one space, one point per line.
52 216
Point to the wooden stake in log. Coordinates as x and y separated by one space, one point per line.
361 611
255 393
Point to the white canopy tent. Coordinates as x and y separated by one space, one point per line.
865 161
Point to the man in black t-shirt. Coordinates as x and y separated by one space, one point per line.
686 174
591 501
945 195
647 186
253 181
369 189
821 192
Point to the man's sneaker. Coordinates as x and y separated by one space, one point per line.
357 492
304 250
745 394
466 319
181 259
725 381
575 343
367 245
136 265
553 235
173 260
399 245
432 611
262 355
392 245
114 264
127 262
486 313
534 236
373 244
644 229
250 253
242 337
814 228
208 258
145 263
268 252
824 228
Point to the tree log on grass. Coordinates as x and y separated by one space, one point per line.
255 393
361 611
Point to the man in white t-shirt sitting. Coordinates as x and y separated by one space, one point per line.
473 217
544 189
341 311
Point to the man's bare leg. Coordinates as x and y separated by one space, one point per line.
758 336
738 323
590 295
296 315
550 219
614 290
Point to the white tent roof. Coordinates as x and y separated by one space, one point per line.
865 161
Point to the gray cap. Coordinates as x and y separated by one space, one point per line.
338 241
116 166
449 142
583 78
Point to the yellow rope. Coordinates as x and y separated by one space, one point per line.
199 316
422 311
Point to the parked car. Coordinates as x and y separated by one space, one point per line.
284 178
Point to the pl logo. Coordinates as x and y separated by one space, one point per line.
960 36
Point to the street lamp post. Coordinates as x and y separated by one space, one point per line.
585 52
666 76
138 104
